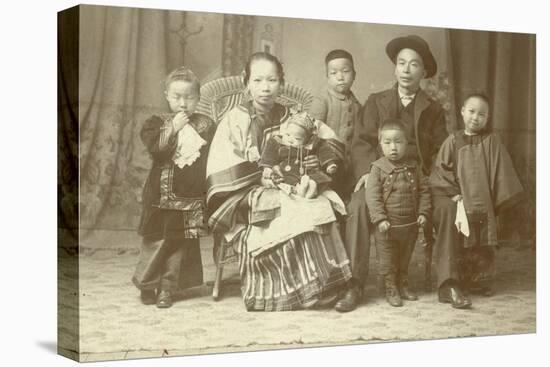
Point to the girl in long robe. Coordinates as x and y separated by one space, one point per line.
474 168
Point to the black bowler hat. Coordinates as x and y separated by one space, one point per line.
414 43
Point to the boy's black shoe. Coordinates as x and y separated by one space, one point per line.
164 299
392 294
349 301
404 291
453 295
148 297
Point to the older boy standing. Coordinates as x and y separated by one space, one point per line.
425 127
339 109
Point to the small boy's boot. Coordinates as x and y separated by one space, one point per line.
404 290
392 293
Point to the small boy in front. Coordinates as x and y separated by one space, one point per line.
398 200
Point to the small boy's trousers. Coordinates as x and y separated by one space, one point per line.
394 249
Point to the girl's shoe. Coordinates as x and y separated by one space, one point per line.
485 291
148 296
164 299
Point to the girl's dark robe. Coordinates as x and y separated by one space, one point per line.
479 168
173 205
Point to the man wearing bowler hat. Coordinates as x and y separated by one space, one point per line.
424 121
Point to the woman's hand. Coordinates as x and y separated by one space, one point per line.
277 175
457 198
271 177
267 173
267 182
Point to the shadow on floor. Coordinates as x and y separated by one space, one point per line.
49 346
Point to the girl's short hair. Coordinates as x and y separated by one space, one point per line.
184 74
479 95
391 124
263 56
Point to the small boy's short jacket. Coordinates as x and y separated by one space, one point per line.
381 184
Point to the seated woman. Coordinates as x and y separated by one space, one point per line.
284 265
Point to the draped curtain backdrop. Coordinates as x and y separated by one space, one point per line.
502 65
238 31
125 54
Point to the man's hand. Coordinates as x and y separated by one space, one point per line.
383 226
361 183
331 169
421 220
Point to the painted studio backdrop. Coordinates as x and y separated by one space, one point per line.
125 54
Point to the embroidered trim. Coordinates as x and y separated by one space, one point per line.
168 200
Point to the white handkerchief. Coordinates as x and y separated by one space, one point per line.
189 145
461 221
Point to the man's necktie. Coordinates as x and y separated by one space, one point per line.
405 100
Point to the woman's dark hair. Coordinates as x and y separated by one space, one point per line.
263 56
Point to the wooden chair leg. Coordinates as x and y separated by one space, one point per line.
219 268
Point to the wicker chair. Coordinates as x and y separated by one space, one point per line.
217 98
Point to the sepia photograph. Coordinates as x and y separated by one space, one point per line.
232 182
